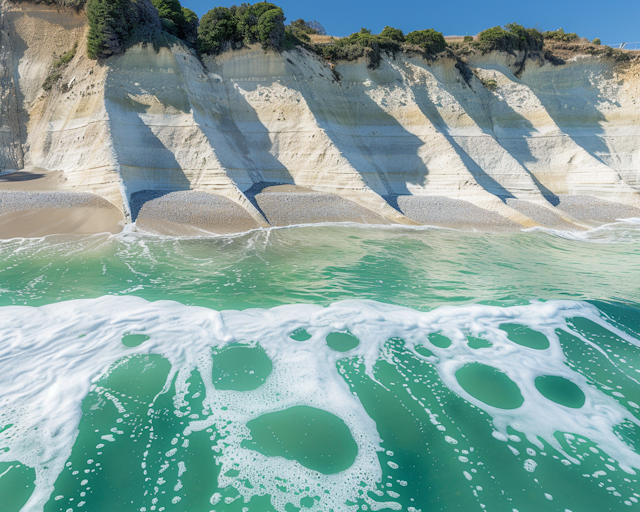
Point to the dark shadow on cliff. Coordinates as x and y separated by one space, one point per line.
428 108
17 49
255 190
145 162
138 199
515 147
582 107
553 101
236 148
374 155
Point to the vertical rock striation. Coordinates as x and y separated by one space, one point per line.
159 119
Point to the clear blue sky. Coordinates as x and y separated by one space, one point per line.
611 21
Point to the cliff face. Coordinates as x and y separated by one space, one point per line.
162 120
11 156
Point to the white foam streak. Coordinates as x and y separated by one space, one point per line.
48 369
621 231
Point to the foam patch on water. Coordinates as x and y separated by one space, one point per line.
53 355
621 231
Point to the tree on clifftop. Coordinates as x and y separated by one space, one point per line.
271 29
248 17
429 39
395 34
262 22
172 16
111 22
512 38
190 32
217 27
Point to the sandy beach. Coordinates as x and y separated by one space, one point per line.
188 213
286 205
33 203
452 213
595 211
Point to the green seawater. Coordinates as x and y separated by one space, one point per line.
321 368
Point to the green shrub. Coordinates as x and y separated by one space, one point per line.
190 30
190 16
596 41
432 41
177 20
111 22
360 44
217 27
497 38
292 40
271 29
511 38
366 39
51 80
171 16
490 84
168 9
467 39
529 39
58 67
302 26
65 58
248 17
561 35
259 23
395 34
299 29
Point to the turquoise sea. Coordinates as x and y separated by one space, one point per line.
325 368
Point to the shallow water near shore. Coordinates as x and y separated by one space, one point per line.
322 368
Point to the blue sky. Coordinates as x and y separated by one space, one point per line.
612 22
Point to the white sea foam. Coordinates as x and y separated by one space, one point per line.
48 369
621 231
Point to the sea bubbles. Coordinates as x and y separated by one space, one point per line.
50 369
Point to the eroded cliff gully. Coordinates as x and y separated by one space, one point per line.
407 131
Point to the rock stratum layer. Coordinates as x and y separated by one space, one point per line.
398 141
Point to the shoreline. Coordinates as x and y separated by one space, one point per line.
36 203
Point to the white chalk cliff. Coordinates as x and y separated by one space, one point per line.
162 120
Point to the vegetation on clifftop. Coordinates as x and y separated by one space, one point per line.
561 35
395 34
365 44
511 38
228 27
357 45
115 24
111 22
190 32
301 29
431 41
171 16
